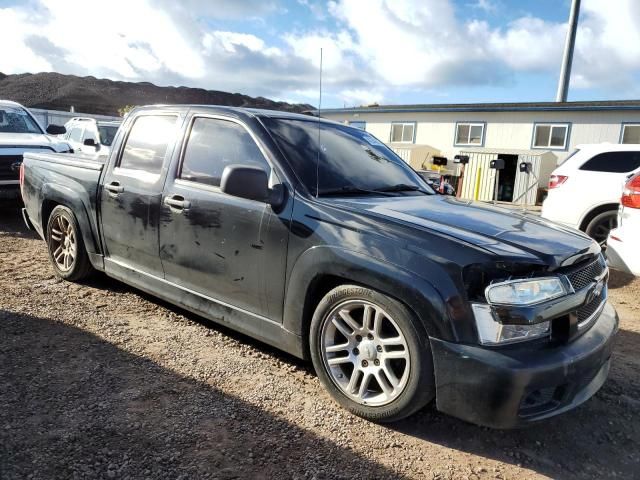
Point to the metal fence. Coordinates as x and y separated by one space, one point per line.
60 117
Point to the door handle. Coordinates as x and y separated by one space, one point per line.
177 202
114 188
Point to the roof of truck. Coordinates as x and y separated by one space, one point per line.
256 112
10 103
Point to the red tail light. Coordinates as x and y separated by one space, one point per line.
631 193
556 180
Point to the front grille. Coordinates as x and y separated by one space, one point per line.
6 172
583 277
586 275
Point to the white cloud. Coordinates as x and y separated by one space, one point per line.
371 48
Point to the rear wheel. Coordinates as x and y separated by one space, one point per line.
369 355
66 248
599 226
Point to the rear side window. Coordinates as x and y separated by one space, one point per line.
212 145
147 143
613 162
75 134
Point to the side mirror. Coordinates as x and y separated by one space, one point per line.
245 182
56 129
90 142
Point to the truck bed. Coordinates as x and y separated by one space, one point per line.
65 179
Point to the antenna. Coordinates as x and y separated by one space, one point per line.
319 109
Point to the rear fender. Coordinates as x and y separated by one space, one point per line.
68 197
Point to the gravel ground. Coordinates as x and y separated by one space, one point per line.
101 381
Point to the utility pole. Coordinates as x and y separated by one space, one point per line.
567 59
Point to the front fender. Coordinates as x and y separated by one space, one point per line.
414 291
70 198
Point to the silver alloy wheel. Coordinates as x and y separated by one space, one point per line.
365 353
63 243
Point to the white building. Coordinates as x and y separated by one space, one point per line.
543 134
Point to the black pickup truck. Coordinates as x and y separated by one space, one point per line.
316 238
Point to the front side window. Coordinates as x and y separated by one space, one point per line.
402 132
553 136
147 143
469 133
613 162
214 144
16 120
330 158
630 133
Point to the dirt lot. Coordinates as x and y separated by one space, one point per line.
102 381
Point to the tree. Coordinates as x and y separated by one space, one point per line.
122 111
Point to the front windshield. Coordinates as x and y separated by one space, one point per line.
17 120
349 159
107 134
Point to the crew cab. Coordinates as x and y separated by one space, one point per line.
314 237
20 132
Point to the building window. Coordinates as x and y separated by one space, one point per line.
469 134
630 133
403 132
550 135
358 124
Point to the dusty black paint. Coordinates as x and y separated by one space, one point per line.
255 266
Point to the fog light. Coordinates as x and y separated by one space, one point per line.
492 332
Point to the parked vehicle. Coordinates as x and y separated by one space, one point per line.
584 192
88 135
20 132
623 252
315 237
437 182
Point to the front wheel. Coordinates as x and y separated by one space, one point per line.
66 248
368 353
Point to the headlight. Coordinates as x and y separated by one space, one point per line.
525 292
492 332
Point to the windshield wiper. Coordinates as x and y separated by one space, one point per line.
402 187
350 190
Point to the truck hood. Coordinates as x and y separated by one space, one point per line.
502 231
32 140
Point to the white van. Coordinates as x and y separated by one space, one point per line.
585 190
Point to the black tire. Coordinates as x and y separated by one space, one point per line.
78 266
599 226
419 388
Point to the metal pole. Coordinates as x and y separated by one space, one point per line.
567 59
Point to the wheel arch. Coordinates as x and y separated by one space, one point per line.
320 269
54 195
593 212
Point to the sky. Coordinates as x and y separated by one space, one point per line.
374 51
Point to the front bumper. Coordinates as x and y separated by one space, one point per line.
514 386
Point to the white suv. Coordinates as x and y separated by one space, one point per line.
88 135
584 192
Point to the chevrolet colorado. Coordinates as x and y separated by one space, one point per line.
315 237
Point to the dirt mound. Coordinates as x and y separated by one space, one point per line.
101 96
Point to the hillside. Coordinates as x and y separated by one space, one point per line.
101 96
